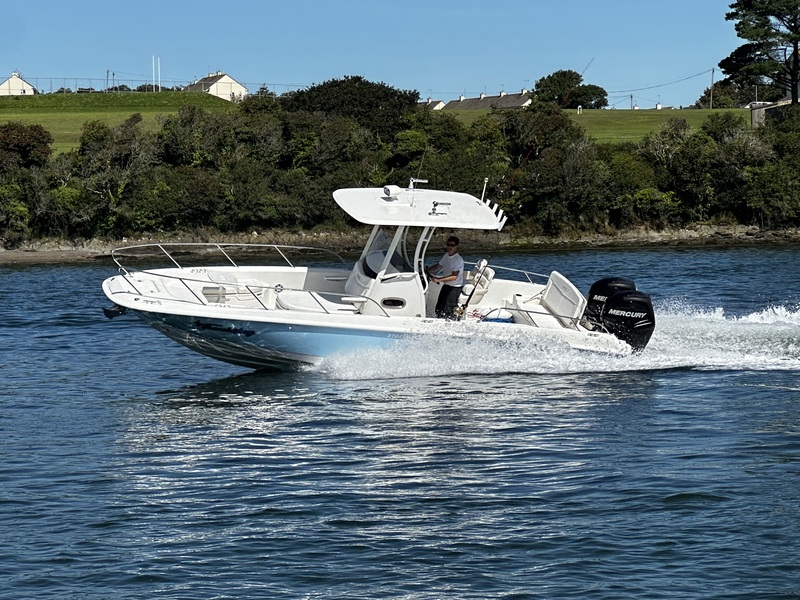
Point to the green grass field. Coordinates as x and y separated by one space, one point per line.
610 126
63 115
607 126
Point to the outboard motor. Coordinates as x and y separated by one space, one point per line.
629 316
600 292
614 304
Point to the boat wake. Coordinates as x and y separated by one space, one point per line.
686 337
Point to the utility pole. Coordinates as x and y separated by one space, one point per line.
711 102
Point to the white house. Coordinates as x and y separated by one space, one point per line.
432 104
484 102
16 86
220 85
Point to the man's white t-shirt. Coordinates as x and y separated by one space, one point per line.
450 264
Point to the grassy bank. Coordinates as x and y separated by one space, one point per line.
63 115
607 126
612 126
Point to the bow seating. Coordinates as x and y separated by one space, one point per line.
318 302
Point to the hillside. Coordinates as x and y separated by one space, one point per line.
63 115
609 126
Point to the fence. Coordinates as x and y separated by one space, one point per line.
54 85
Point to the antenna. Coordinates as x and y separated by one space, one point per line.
419 171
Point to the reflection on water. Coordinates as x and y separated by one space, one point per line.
267 411
133 468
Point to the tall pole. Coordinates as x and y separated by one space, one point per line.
711 102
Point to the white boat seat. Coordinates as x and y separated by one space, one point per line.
220 294
563 300
478 281
214 293
318 302
531 312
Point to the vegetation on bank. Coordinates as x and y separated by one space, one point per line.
64 115
273 162
615 126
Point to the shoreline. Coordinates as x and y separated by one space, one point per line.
65 252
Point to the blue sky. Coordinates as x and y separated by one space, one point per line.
654 51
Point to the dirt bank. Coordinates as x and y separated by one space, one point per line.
64 252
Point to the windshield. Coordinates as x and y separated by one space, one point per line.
375 256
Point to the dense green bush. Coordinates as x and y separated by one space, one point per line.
275 162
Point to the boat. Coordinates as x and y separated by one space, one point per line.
269 306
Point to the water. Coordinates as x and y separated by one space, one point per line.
133 468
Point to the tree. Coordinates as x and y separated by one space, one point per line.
772 30
197 137
23 145
113 163
783 135
540 140
263 100
566 89
628 174
682 162
587 96
732 94
557 86
378 107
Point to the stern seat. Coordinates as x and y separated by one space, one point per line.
563 300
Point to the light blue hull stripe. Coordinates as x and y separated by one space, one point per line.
264 345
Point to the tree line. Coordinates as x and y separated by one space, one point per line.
274 162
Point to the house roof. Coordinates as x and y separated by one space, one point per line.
488 102
202 85
431 103
16 75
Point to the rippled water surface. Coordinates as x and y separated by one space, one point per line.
133 468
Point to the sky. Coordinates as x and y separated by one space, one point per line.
641 52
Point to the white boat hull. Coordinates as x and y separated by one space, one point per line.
283 340
287 315
263 345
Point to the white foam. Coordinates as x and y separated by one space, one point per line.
685 337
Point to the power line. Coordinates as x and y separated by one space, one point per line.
652 87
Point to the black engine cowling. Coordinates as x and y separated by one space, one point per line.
600 291
629 316
614 304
